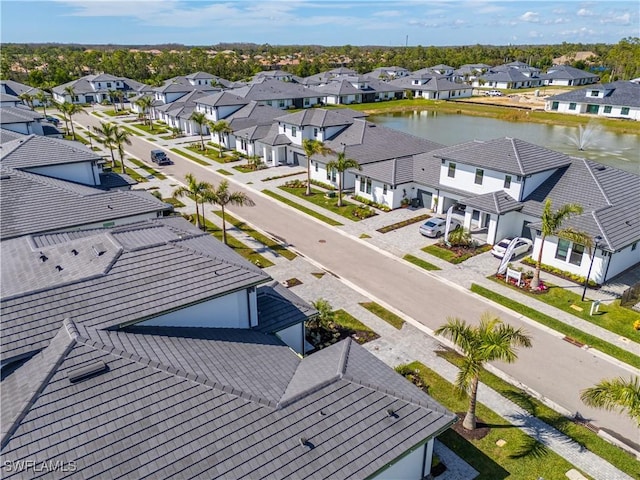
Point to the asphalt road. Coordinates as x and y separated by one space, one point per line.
552 367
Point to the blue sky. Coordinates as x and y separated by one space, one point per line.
324 22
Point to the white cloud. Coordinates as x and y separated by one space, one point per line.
623 19
535 34
583 12
531 17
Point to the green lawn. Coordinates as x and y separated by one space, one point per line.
585 437
157 129
148 169
173 201
113 113
568 330
190 157
389 317
266 241
239 247
318 198
420 262
222 171
243 168
611 316
404 223
304 209
452 257
211 153
346 320
281 176
522 457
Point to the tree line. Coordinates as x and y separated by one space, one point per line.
46 66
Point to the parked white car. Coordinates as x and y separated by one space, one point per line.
434 227
523 245
494 93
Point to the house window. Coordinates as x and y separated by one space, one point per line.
479 175
624 111
306 102
507 181
572 106
281 103
554 105
384 189
634 246
315 132
316 164
331 174
365 185
576 254
269 102
594 93
592 108
108 84
452 170
607 109
563 249
294 131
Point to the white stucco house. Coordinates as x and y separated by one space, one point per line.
566 75
97 88
432 87
619 99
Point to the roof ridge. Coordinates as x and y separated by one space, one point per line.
595 179
515 150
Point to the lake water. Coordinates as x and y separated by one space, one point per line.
615 149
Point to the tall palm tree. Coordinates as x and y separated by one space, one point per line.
145 102
43 98
72 109
107 137
312 147
62 108
490 340
221 127
552 225
27 98
222 197
615 394
194 190
341 165
113 96
120 139
69 90
199 119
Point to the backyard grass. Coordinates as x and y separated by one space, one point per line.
148 169
318 198
581 434
567 330
418 262
389 317
522 457
304 209
266 241
404 223
190 157
611 316
222 171
451 256
239 247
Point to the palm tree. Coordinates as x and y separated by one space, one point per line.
27 98
145 102
107 132
194 190
43 98
222 196
312 147
616 394
490 340
220 128
120 139
342 164
199 119
62 108
113 96
68 90
72 109
552 225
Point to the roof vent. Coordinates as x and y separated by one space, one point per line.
74 252
99 249
59 268
391 413
5 177
601 168
87 371
43 257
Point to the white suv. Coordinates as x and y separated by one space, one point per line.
494 93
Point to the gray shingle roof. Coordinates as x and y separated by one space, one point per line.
5 97
622 93
160 266
274 138
494 202
222 99
110 180
393 172
8 136
32 203
271 89
567 72
337 87
179 423
18 114
316 117
12 87
38 151
434 83
507 155
279 308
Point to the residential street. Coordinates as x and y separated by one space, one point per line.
553 367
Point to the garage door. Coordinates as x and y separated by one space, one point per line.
424 198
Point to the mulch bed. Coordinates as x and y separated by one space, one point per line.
481 430
336 333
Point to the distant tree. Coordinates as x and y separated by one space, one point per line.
616 394
312 147
194 190
341 165
222 197
200 119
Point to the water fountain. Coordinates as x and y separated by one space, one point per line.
584 136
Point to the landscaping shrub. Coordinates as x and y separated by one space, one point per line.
326 186
296 184
363 212
560 273
371 203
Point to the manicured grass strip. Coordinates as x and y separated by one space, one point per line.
318 198
389 317
450 256
281 176
148 169
132 131
117 167
239 247
581 434
517 459
420 262
113 113
346 320
266 241
306 210
211 154
404 223
223 171
567 330
97 114
190 157
157 130
243 169
173 201
611 316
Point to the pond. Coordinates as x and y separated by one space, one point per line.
615 149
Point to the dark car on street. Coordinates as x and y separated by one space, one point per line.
159 157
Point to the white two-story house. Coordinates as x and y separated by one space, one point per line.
619 99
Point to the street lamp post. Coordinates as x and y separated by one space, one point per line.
597 240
